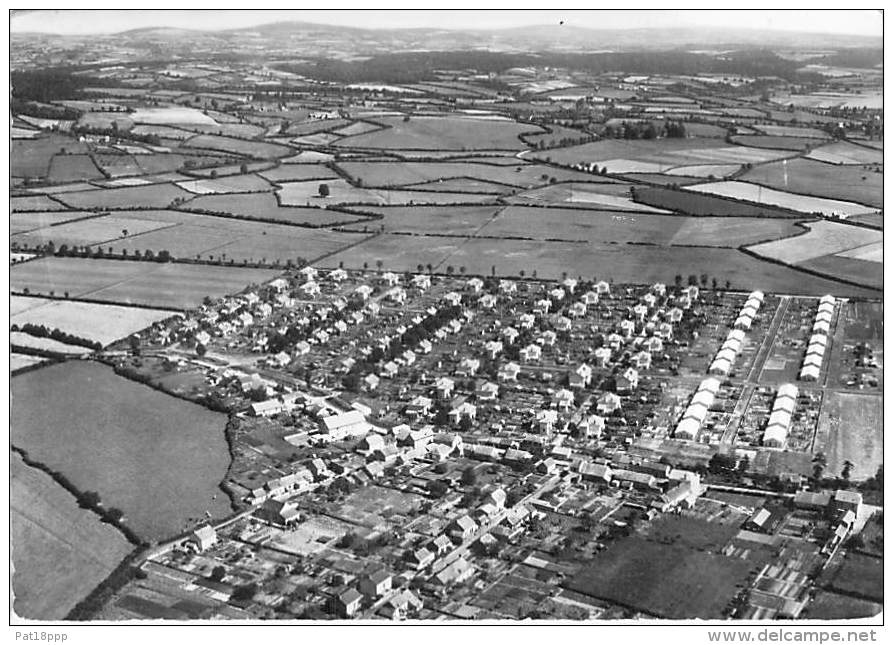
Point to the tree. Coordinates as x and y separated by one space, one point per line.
243 169
324 190
218 573
847 470
470 476
244 593
819 463
114 515
89 499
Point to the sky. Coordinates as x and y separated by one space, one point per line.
859 22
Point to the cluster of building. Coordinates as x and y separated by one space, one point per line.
818 341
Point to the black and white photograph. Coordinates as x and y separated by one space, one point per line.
378 317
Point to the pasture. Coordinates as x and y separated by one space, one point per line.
153 196
161 470
34 203
265 206
809 177
306 193
241 147
794 201
702 204
298 172
20 339
178 286
441 133
20 222
68 168
85 232
62 552
445 220
102 323
170 115
31 157
778 143
231 184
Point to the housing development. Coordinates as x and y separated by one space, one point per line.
307 324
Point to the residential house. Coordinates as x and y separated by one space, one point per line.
487 391
531 353
608 403
580 377
508 372
347 604
203 538
628 381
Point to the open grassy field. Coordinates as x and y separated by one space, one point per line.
701 204
176 286
778 143
233 184
21 361
620 262
34 203
823 238
256 149
844 152
298 172
442 133
162 470
20 339
119 165
306 193
853 424
732 231
31 157
606 196
794 201
85 232
449 220
663 580
264 206
861 576
810 177
154 196
102 323
170 115
832 606
864 272
66 168
791 131
20 222
61 551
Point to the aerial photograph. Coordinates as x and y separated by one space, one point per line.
438 317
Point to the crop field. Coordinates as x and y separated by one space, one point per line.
31 157
732 231
853 424
236 130
85 232
240 147
823 238
809 177
599 196
442 133
661 179
702 204
873 252
618 262
154 196
463 185
664 580
61 550
844 152
101 323
232 184
264 206
165 131
119 165
784 199
161 470
306 193
177 286
316 125
707 171
318 139
66 168
232 169
20 222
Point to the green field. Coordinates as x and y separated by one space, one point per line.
154 196
701 204
264 206
145 283
809 177
61 551
854 426
161 468
441 133
67 168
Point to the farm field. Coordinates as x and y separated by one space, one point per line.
119 165
265 206
101 323
85 232
809 177
154 196
31 157
441 133
823 238
258 149
159 285
663 580
784 199
19 339
617 262
306 193
778 143
863 272
433 220
67 168
844 152
298 172
832 606
853 424
61 550
21 222
233 184
702 204
161 470
791 131
34 203
170 115
21 361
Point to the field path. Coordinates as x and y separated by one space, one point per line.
473 235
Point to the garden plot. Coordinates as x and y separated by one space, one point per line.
823 238
802 203
98 322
